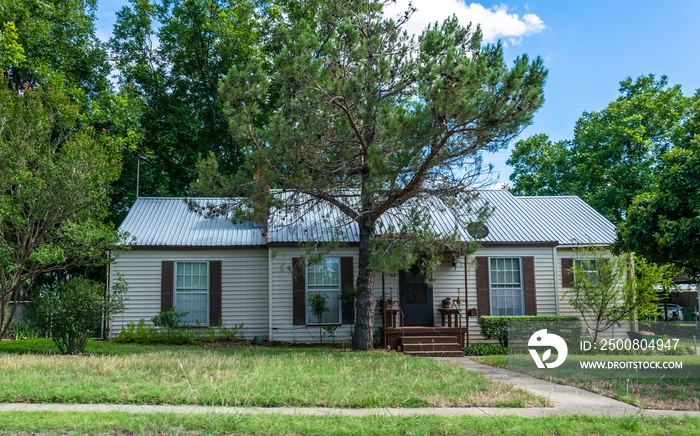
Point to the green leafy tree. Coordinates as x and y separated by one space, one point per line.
613 152
53 44
664 224
172 55
11 51
72 310
54 174
353 113
605 290
57 43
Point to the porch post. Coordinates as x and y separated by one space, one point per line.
383 309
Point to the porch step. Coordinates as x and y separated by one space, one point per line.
432 346
429 340
411 348
436 353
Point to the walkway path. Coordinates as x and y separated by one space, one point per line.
566 399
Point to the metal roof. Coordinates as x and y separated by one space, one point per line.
567 220
564 220
159 221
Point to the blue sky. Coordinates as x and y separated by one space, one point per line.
588 47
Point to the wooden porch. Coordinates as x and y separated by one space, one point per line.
426 341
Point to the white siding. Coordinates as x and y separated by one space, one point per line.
247 276
565 307
283 328
544 280
244 285
449 282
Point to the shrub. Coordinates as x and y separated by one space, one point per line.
168 329
497 327
232 334
24 327
72 310
485 350
169 319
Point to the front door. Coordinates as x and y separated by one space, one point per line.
416 299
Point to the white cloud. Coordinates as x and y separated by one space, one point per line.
496 23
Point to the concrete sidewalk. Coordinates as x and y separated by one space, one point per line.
566 399
534 412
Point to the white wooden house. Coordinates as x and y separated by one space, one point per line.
242 273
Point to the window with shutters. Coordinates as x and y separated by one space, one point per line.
506 286
589 269
192 291
324 278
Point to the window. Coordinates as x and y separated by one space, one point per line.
506 286
416 290
192 291
589 268
324 278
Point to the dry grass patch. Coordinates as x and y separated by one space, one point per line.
263 377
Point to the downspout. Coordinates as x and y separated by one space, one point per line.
105 318
269 295
556 280
697 286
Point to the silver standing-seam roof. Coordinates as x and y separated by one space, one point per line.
564 220
567 220
160 221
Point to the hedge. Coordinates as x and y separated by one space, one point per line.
501 327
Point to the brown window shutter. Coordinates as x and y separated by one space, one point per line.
346 285
214 292
298 292
483 298
567 277
529 296
167 273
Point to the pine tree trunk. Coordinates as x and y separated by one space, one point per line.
364 304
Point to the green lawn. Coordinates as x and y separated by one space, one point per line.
62 423
242 376
658 393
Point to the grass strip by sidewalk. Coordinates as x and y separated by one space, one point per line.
659 393
239 376
55 423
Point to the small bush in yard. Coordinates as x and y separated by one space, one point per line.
497 327
485 350
72 310
169 319
25 328
168 328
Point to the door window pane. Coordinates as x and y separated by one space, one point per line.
416 289
417 293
